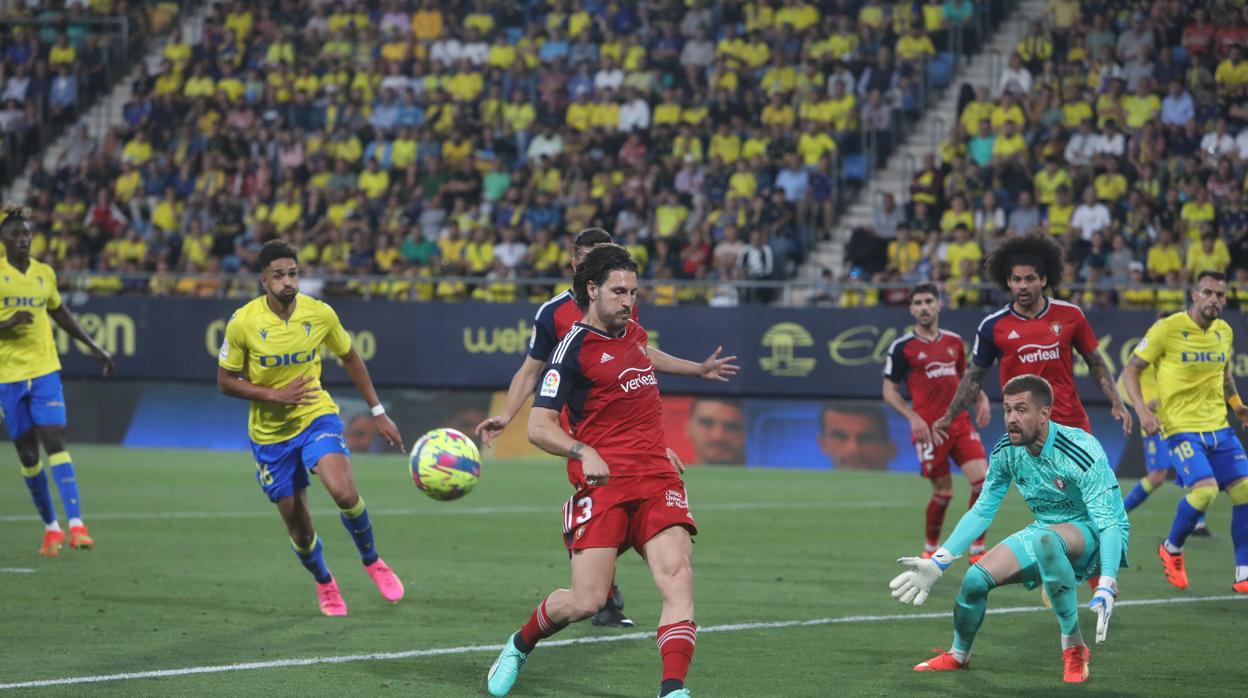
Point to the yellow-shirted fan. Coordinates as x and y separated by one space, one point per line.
445 464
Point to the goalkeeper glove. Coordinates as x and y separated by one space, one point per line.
913 585
1103 604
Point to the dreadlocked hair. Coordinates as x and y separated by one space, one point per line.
14 214
1040 252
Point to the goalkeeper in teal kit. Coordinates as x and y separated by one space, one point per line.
1080 530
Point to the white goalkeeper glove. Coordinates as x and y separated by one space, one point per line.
1103 604
913 585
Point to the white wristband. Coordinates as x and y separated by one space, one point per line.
377 410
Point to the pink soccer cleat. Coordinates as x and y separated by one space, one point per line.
386 580
331 599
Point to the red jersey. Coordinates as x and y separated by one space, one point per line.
552 322
1045 346
609 388
931 369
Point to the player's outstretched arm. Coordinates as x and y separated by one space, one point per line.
1131 383
353 364
66 320
715 367
522 386
1100 372
547 433
969 389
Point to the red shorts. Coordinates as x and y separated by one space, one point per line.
963 445
625 513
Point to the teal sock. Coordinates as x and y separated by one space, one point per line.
37 482
360 527
314 560
969 609
1059 580
66 483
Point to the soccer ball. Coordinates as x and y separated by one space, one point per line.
445 464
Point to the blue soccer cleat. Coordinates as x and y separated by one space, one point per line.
506 668
679 693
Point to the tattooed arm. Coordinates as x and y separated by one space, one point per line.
1105 380
968 393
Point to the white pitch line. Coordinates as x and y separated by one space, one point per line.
599 639
17 570
435 510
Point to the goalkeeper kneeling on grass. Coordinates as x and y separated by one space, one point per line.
1080 530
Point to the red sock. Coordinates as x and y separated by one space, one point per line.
976 488
539 627
936 508
676 643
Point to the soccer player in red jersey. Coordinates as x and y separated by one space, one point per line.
930 361
554 318
629 493
1034 334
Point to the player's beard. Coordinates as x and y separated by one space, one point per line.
286 296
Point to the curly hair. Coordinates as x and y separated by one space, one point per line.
1037 251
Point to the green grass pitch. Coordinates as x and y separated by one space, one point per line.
193 569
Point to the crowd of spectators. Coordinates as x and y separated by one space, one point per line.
431 141
1120 128
57 56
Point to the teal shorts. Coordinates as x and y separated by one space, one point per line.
1024 543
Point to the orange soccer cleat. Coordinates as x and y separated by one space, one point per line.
975 557
1075 664
927 554
79 539
945 661
52 541
1172 565
1240 587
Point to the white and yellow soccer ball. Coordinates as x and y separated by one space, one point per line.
445 464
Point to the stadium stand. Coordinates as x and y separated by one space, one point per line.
428 140
58 57
1118 128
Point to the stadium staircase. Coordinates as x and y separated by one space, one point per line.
924 137
108 110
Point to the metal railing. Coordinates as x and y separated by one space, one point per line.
79 285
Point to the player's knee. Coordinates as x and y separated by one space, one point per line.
976 583
27 450
587 603
1238 492
675 579
53 438
1201 498
1049 547
346 497
1156 478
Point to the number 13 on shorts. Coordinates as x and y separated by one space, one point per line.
576 511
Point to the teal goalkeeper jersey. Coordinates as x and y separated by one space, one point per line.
1069 482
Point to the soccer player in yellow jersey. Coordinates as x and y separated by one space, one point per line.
1192 351
32 403
271 356
1156 454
